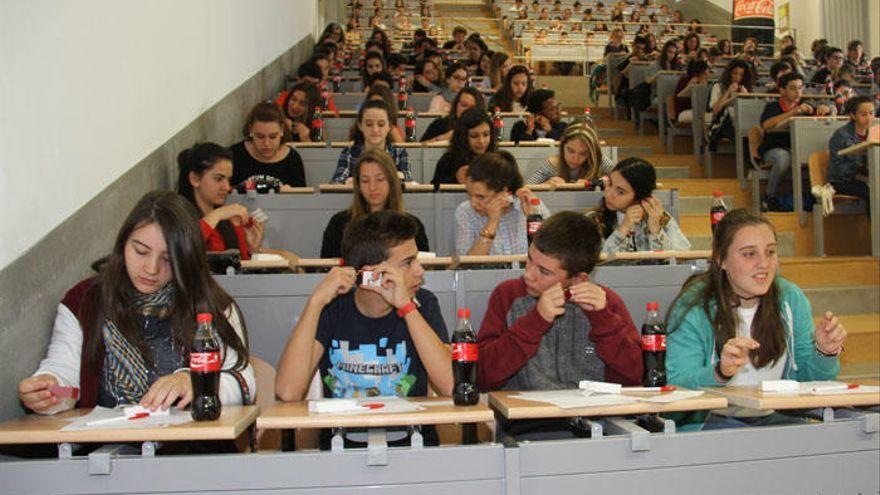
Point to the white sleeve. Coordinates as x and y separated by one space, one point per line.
230 391
63 357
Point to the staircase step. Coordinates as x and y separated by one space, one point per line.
844 299
673 172
862 337
697 205
785 246
813 271
782 222
850 372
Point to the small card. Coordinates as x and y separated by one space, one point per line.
780 386
600 387
332 405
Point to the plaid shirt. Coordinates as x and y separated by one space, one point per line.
510 238
349 157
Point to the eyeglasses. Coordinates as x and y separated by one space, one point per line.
459 78
261 137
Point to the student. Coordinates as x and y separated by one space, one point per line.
264 155
580 158
429 76
490 221
471 137
374 63
203 179
691 45
441 128
631 219
310 72
475 47
499 66
855 56
616 44
736 79
124 335
668 60
740 322
543 121
457 43
456 78
680 112
554 327
833 62
368 340
776 146
299 108
379 92
376 188
849 174
372 131
514 92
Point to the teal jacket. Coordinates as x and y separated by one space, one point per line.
690 344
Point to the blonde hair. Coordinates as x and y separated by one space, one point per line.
588 135
359 206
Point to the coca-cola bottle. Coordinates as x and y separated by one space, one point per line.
464 361
325 97
593 184
204 370
318 125
498 124
401 82
718 209
337 82
409 125
535 219
470 82
588 116
401 98
654 347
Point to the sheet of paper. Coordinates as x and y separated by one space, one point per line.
381 405
119 421
667 397
568 399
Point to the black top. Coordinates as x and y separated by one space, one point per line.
447 166
288 170
821 76
437 127
331 245
781 139
518 132
367 357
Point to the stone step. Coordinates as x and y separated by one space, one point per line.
783 222
673 172
697 205
844 299
858 371
785 246
811 271
862 337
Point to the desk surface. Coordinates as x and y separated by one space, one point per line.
860 148
753 398
290 415
512 408
34 428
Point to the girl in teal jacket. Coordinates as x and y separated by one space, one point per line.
763 331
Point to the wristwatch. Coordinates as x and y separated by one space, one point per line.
487 233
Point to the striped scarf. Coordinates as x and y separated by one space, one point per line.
126 375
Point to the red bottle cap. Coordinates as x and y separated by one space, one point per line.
204 318
717 194
534 201
653 306
464 313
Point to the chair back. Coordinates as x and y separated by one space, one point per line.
818 165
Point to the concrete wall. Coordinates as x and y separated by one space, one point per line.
75 181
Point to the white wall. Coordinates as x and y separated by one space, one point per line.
90 87
806 20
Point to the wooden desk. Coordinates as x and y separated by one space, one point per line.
661 255
282 264
295 415
872 149
33 428
753 398
512 408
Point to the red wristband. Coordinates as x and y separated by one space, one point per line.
406 308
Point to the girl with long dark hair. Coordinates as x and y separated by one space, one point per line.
631 218
124 336
472 136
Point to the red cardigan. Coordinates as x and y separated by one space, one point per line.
215 242
76 301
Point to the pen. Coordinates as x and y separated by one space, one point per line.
118 418
834 388
665 388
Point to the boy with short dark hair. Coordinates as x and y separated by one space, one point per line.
553 327
544 119
385 336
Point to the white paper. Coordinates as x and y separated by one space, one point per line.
120 422
130 411
267 257
667 397
779 386
332 405
567 399
825 387
600 387
388 405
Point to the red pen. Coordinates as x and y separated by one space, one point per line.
140 415
373 405
665 388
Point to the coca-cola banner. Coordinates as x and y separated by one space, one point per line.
746 9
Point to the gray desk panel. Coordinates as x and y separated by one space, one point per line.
297 221
747 114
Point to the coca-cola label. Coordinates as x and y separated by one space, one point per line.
654 342
410 123
317 123
533 226
401 96
499 123
204 362
717 216
464 352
